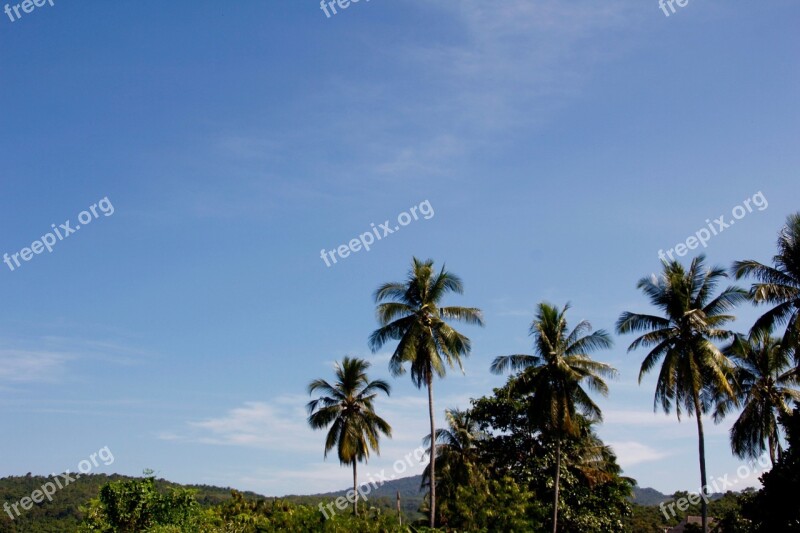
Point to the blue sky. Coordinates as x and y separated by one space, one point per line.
561 145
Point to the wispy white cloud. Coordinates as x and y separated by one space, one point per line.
619 417
630 453
429 156
517 58
276 426
50 358
32 366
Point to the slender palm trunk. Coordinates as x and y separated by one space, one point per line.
433 451
355 488
399 514
772 446
702 450
558 480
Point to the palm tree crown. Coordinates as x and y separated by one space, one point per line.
455 448
683 337
778 285
765 390
409 312
555 374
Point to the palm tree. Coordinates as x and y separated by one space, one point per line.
765 391
694 371
456 455
410 312
779 285
553 378
347 407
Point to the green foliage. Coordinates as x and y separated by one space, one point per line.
245 516
774 507
137 505
494 505
726 510
511 467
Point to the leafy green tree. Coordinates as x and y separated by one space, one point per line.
594 496
778 285
765 382
410 312
694 372
347 407
553 378
135 506
513 445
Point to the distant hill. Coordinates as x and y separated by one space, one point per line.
648 496
411 496
384 496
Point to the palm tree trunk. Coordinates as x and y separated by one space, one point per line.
558 480
355 488
433 450
772 446
399 514
702 450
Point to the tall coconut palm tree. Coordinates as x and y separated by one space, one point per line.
766 389
553 378
779 285
410 312
694 371
347 407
